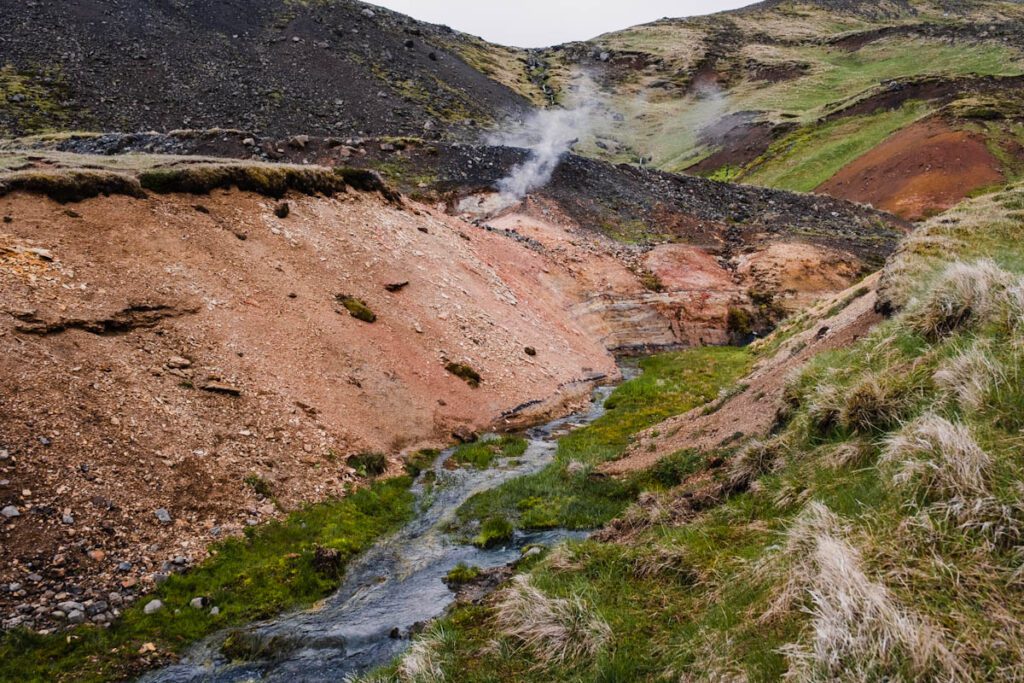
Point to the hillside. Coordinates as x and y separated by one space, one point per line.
814 96
333 68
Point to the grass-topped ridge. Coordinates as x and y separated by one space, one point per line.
70 186
73 178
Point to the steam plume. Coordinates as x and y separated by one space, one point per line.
548 134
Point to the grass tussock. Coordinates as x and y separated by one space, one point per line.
970 376
965 294
858 631
938 460
423 662
554 629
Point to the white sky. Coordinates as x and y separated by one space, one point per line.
541 23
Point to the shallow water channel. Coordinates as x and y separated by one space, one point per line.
394 586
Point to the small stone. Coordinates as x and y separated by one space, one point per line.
67 519
198 603
124 567
76 617
97 555
221 388
98 607
44 254
163 515
180 561
153 606
178 363
14 587
282 210
214 611
70 606
35 578
10 512
160 578
530 351
147 648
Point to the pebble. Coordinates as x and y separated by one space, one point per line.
178 363
163 515
97 608
76 617
198 603
124 567
153 606
10 512
214 611
67 519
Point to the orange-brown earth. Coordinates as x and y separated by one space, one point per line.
154 353
920 171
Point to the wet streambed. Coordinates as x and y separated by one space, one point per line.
396 585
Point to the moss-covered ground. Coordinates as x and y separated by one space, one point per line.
261 574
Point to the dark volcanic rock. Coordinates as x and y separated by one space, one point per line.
270 65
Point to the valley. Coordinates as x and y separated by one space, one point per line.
352 347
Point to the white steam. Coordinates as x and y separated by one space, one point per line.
548 134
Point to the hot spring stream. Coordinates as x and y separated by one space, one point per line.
395 585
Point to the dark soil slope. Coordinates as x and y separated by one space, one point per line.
273 65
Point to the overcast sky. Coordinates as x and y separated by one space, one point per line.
540 23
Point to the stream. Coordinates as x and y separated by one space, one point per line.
390 589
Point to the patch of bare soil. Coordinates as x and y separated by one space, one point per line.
753 411
919 171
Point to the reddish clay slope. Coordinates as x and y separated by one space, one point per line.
919 171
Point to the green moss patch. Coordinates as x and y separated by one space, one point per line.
357 308
481 454
465 373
